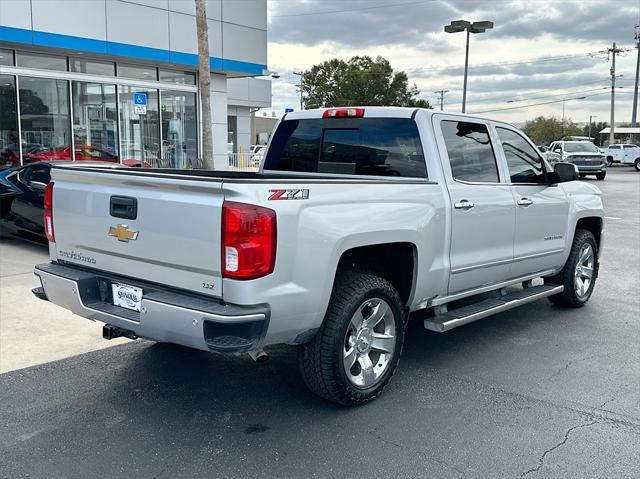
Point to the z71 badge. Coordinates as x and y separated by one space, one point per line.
289 194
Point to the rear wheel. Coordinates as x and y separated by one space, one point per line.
582 176
601 176
637 164
354 354
578 276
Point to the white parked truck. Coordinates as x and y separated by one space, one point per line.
623 154
357 218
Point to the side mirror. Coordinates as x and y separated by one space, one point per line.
544 149
563 172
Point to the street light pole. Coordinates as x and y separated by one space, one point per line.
466 70
475 27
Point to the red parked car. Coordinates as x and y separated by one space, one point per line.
82 153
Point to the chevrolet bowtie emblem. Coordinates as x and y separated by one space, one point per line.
123 233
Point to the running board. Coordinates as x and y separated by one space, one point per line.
469 314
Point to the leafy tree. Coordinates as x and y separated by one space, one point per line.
358 81
596 128
543 130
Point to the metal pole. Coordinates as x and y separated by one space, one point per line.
635 90
466 68
589 127
614 51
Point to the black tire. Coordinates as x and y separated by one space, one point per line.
321 360
601 176
609 161
569 298
582 176
637 164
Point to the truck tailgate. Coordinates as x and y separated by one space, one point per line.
173 238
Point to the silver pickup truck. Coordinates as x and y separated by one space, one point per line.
357 218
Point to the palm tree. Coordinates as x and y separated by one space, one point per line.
204 84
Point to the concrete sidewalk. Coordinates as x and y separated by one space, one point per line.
33 331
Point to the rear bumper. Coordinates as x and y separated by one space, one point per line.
166 315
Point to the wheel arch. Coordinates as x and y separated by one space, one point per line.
396 262
592 224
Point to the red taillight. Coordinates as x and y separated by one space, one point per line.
48 212
343 113
248 240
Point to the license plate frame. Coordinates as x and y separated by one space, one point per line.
126 296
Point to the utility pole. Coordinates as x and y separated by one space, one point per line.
614 51
441 93
590 119
301 87
635 90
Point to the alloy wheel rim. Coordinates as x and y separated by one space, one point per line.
369 343
583 274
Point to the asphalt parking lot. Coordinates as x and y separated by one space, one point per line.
537 392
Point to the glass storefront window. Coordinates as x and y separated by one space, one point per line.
181 78
44 119
139 134
41 62
179 129
137 72
95 121
6 57
9 151
93 67
232 133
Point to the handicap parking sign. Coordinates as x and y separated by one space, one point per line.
140 103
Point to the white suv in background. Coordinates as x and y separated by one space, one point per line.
624 154
584 154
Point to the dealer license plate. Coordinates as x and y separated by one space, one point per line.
126 296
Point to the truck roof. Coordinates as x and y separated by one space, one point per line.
378 112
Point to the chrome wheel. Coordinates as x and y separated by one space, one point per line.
369 343
583 274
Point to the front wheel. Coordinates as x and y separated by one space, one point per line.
354 354
578 276
609 161
601 176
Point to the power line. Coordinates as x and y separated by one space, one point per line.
327 12
538 104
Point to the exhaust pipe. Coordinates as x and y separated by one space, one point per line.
259 356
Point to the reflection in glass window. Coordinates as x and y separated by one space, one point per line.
179 130
44 119
232 133
41 62
92 67
137 72
139 133
470 152
9 151
525 165
6 57
95 121
179 77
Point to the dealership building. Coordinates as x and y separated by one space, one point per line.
117 80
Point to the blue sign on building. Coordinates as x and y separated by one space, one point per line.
288 110
139 98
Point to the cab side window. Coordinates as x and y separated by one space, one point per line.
470 152
525 165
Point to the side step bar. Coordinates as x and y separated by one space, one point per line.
469 314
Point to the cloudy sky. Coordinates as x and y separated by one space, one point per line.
540 51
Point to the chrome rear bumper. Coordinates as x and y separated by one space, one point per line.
166 315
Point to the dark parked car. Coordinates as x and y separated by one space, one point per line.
22 197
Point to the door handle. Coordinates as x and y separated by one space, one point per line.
525 202
463 205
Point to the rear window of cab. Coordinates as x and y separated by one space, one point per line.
349 146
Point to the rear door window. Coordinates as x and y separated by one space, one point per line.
363 146
470 152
